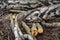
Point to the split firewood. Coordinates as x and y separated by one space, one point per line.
26 27
40 29
34 31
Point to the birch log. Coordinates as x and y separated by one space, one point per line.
14 28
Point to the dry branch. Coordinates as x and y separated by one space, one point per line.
54 24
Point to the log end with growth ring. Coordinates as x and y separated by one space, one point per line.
34 32
40 30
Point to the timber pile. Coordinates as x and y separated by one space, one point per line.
36 21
